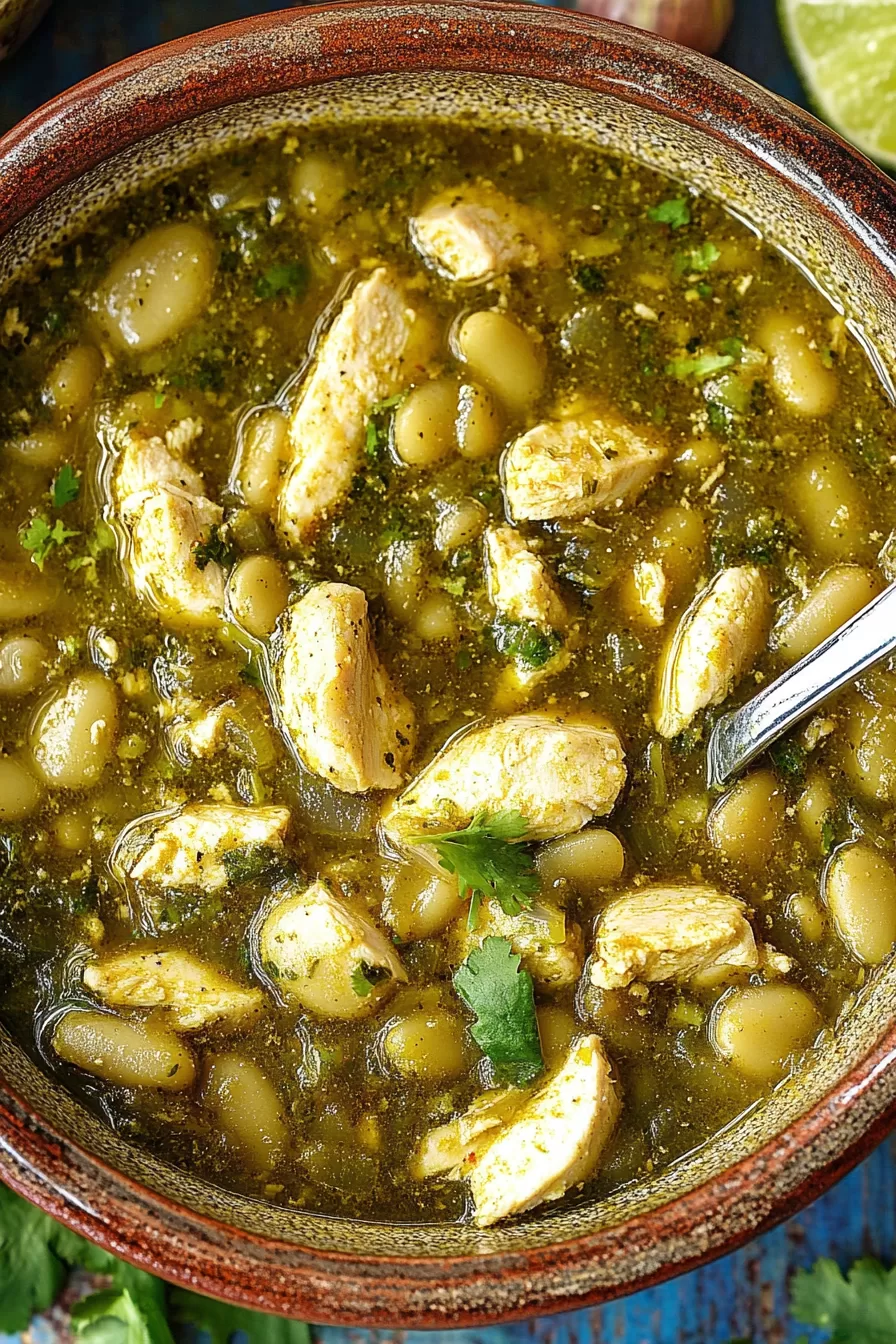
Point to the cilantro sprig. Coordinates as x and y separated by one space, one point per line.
858 1309
500 993
37 1255
676 213
39 535
66 487
488 860
215 549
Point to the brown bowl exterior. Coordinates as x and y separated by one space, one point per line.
835 214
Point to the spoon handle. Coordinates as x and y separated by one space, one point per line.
741 735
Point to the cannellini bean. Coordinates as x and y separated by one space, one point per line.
43 447
24 592
870 755
158 286
479 430
436 618
423 428
263 449
502 355
758 1027
798 376
258 589
805 911
460 524
839 594
420 903
20 792
73 735
698 458
860 891
814 805
679 543
556 1027
318 185
248 1109
746 822
590 860
23 662
428 1043
405 578
70 385
127 1053
828 503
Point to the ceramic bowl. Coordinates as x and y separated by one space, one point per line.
834 214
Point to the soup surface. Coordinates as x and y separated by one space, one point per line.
386 512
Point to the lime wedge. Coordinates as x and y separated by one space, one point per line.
845 51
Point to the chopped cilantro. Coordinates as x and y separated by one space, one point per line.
377 434
719 417
38 537
767 534
159 400
284 280
858 1309
733 346
398 526
788 758
365 978
527 643
488 860
454 584
501 995
66 487
463 659
253 863
590 278
698 366
828 835
697 259
674 212
214 549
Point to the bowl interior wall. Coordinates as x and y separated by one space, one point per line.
820 243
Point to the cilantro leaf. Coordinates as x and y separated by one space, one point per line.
377 434
590 278
488 861
38 537
860 1309
220 1321
527 643
31 1273
252 863
501 995
675 213
788 758
284 280
365 978
828 834
114 1317
215 549
698 259
66 487
698 366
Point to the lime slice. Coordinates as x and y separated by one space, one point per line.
846 54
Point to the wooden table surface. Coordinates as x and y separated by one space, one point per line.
743 1297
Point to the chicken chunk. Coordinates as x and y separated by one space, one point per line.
160 501
374 349
188 850
558 773
445 1148
193 994
520 585
650 590
474 232
344 716
551 1142
327 956
671 933
572 468
714 643
549 943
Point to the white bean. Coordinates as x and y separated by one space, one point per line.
69 387
556 1027
159 286
502 355
839 594
427 1043
420 903
746 822
813 807
479 430
758 1027
460 524
23 662
436 618
828 503
405 578
870 755
423 429
20 792
590 860
318 185
258 589
860 891
247 1107
73 735
799 378
126 1053
44 447
262 451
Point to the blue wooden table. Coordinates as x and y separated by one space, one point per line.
743 1297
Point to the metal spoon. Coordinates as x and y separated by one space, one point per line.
743 734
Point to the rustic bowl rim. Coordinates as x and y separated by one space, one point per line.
148 93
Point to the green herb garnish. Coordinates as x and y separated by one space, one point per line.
284 280
488 860
828 835
365 978
675 213
252 863
41 539
527 643
788 758
590 278
214 549
698 366
501 995
860 1309
66 487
